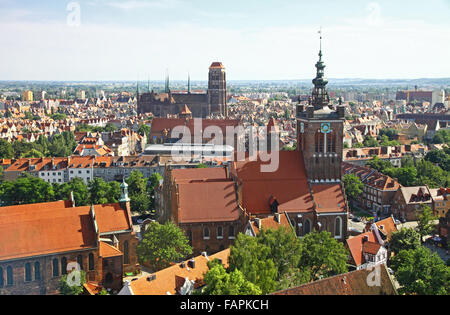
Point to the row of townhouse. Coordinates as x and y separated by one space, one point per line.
64 169
379 189
385 196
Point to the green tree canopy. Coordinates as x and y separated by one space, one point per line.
25 190
353 186
425 224
405 239
323 255
220 282
419 271
162 244
69 288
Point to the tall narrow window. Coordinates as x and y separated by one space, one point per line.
219 232
37 271
126 259
231 232
1 278
55 268
27 272
64 265
80 261
206 233
337 227
307 228
91 261
9 276
331 139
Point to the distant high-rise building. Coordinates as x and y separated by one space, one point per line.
27 96
217 89
81 94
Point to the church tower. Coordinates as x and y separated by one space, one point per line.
217 90
320 129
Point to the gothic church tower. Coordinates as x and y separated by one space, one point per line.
217 90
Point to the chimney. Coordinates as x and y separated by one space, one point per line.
206 255
72 199
365 238
258 223
278 217
191 263
151 277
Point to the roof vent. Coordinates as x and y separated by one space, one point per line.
151 277
183 264
365 238
191 263
206 255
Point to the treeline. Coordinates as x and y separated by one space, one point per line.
29 189
60 145
88 128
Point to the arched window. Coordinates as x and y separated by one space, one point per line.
91 261
331 139
219 232
64 266
9 276
319 142
80 261
55 268
126 259
27 272
2 281
206 233
231 232
37 271
307 228
337 227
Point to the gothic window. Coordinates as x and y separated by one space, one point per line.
37 271
331 139
91 261
64 265
307 228
337 227
206 233
126 259
189 233
9 276
231 232
80 261
55 268
219 232
27 272
319 142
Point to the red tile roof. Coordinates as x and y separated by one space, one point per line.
355 245
106 250
329 198
207 202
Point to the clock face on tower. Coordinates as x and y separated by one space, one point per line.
325 128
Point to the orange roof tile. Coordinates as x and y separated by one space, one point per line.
106 250
355 245
172 278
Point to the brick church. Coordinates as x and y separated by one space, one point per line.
306 188
201 105
39 243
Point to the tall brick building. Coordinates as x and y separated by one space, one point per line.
39 243
201 105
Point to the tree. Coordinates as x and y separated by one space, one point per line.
419 271
405 239
101 192
79 189
202 166
162 244
379 164
140 203
25 190
68 288
251 257
137 183
441 136
370 142
425 224
323 255
6 149
110 127
353 186
220 282
33 153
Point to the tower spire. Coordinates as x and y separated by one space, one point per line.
320 96
167 82
189 83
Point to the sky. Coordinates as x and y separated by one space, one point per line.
95 40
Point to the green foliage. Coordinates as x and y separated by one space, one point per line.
379 164
390 133
352 185
66 288
33 153
370 142
140 203
441 136
425 224
26 189
219 282
101 192
6 149
439 157
202 166
58 116
405 239
162 244
419 271
357 145
323 255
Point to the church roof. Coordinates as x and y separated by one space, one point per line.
217 65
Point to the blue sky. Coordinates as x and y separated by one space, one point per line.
255 39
